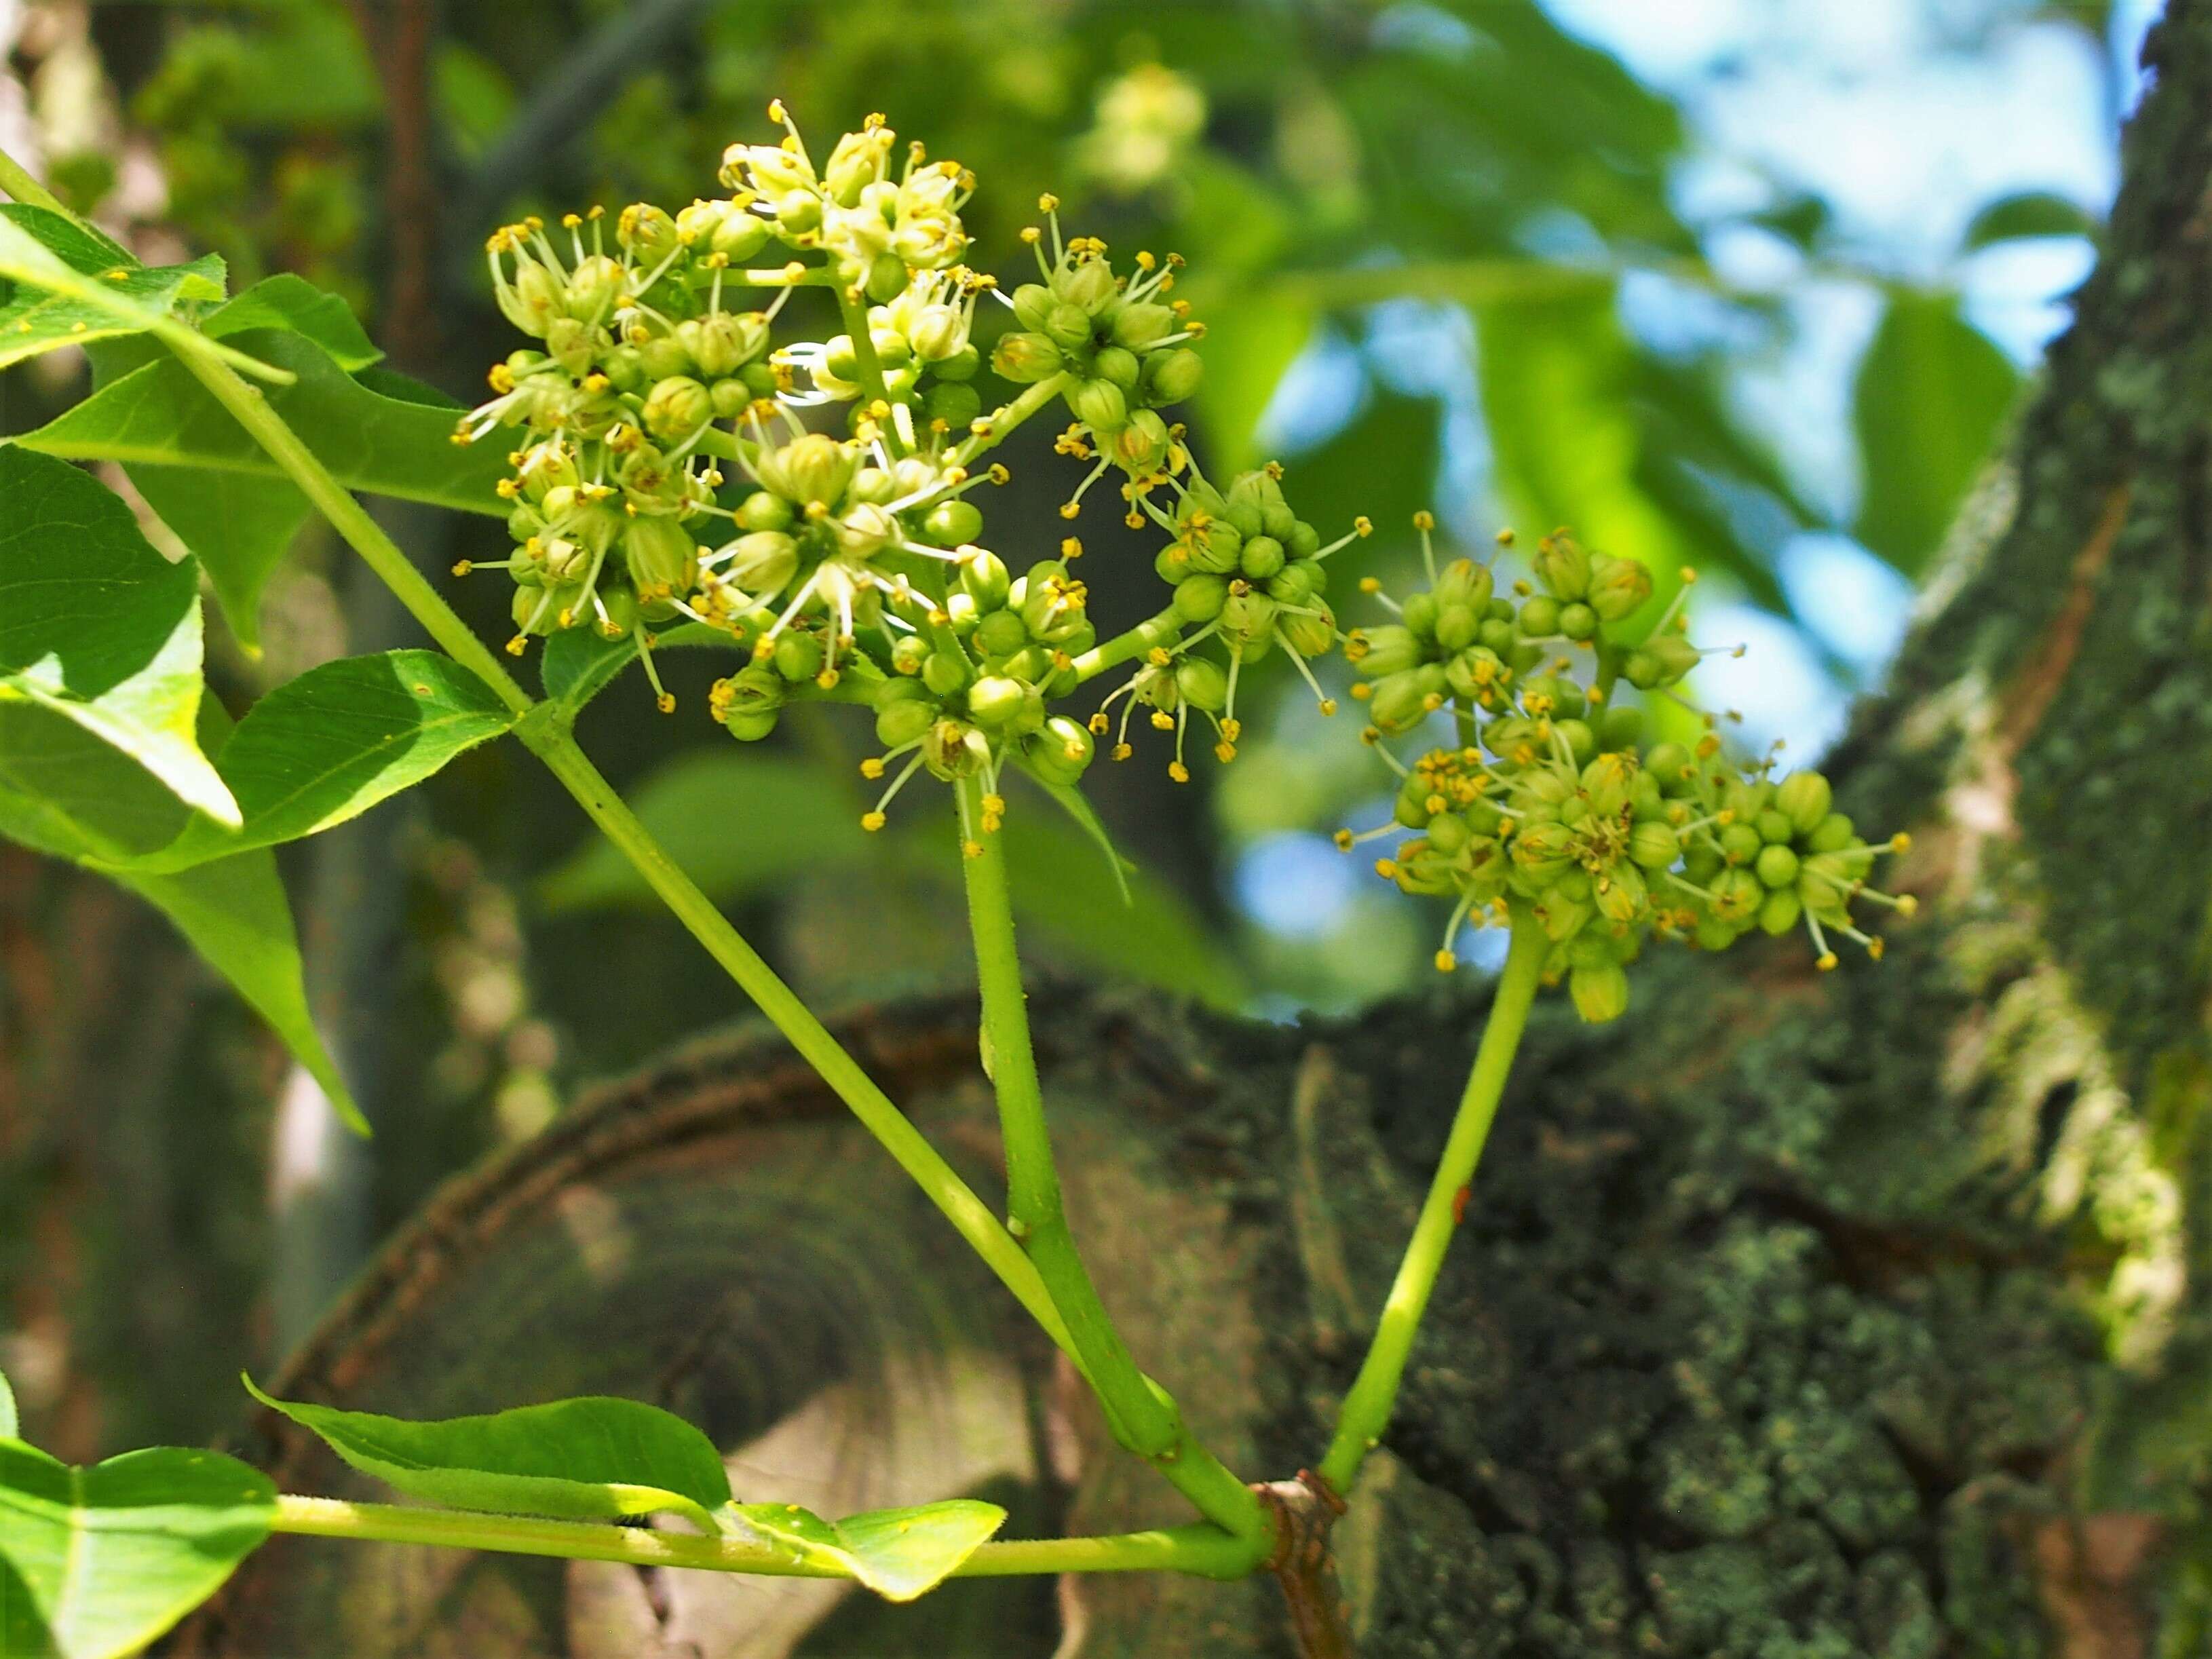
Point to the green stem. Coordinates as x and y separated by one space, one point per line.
1202 1550
1004 419
16 180
1374 1393
545 729
1160 631
853 306
1609 658
1145 1416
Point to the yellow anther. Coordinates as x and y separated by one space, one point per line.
1179 772
871 768
1825 961
1446 962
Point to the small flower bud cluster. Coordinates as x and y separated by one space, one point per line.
666 474
1550 803
1120 348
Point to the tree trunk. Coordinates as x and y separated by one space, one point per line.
1860 1313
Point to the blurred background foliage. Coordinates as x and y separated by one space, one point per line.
1746 287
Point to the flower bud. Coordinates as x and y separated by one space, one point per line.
1025 358
1391 648
595 287
1062 749
1201 683
956 404
938 332
663 559
1577 620
677 408
1539 617
1067 326
1805 798
1780 911
1420 613
1563 567
1620 728
798 657
1599 993
1213 544
855 163
1653 846
951 523
1309 632
953 749
1832 833
1099 405
1136 325
898 724
1172 376
739 236
813 470
1199 598
648 232
1139 447
1775 866
761 563
1033 303
1617 587
1456 626
1662 660
1118 366
1300 582
1246 615
1464 582
1088 285
1261 557
764 509
1400 699
1051 604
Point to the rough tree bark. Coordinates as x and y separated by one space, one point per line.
1800 1315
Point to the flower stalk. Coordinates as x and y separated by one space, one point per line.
1374 1392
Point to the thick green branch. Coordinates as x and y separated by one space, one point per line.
1204 1551
1144 1415
1374 1393
1161 631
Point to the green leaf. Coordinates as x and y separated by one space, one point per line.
2025 216
591 1459
65 793
579 663
1076 805
740 823
242 526
330 745
98 628
292 302
387 446
11 1425
1932 391
900 1554
54 260
96 1562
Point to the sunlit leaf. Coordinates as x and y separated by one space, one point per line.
10 1427
35 317
100 628
330 745
96 1562
1932 390
369 441
590 1459
900 1554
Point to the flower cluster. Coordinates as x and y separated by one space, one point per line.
667 473
1550 802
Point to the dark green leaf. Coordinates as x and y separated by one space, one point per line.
579 663
591 1459
96 1562
35 317
1076 805
98 628
738 821
387 446
330 745
2028 215
900 1554
1932 390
